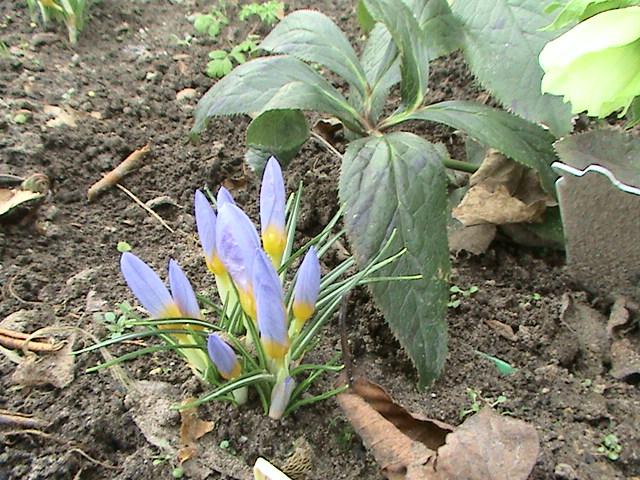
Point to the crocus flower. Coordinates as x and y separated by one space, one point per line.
272 321
223 357
236 242
206 225
596 64
151 291
280 396
307 287
223 197
272 206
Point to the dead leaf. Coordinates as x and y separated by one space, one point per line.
328 128
12 199
410 447
502 329
618 318
501 192
52 369
474 239
191 430
625 347
488 446
61 116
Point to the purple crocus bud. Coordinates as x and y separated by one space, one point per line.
236 243
224 197
280 396
182 292
272 206
305 292
223 357
206 225
272 320
148 288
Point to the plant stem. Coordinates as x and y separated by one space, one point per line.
461 166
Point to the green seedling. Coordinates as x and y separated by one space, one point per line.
222 61
73 13
210 23
185 41
268 12
610 446
536 297
477 402
344 432
503 367
4 50
457 294
123 247
117 324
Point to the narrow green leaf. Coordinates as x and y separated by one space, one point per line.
280 133
397 181
313 37
365 19
518 139
501 43
273 83
503 367
412 47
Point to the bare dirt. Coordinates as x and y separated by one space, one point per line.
120 83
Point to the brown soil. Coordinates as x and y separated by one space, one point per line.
128 69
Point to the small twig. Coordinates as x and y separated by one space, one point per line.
327 145
145 207
13 293
128 165
26 344
93 460
344 339
20 419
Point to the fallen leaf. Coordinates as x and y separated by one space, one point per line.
411 447
502 192
488 446
191 430
502 329
625 360
619 317
61 116
12 199
328 128
54 369
474 239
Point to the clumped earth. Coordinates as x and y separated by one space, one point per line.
121 87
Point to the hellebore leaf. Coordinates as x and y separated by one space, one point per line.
278 133
518 139
315 38
397 182
413 50
439 26
273 83
493 30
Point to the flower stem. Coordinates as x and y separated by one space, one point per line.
460 165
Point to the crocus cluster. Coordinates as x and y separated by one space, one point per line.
245 266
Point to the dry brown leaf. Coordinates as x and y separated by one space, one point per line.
328 128
61 116
502 192
411 447
488 446
51 369
474 239
502 329
625 348
191 430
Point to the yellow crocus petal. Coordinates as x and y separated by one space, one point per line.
274 240
303 311
274 350
216 266
248 302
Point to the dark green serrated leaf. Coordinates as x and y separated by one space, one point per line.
501 43
280 133
412 47
439 26
523 141
273 83
313 37
397 182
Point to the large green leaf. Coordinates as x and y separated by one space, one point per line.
501 42
439 26
414 56
280 133
273 83
313 37
523 141
397 182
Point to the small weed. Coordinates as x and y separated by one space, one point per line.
226 445
185 41
344 432
610 447
477 402
210 23
123 247
117 324
536 297
268 12
221 62
4 50
457 294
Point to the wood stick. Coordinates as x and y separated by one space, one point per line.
26 344
20 419
145 207
128 165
